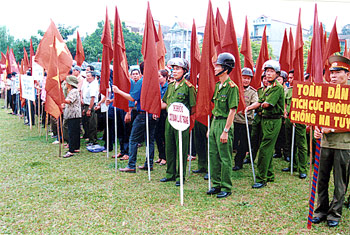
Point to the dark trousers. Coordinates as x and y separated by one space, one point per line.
200 131
240 133
159 134
281 140
73 134
90 124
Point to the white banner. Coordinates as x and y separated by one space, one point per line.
27 83
37 71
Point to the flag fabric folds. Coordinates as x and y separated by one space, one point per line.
220 25
79 54
246 48
195 56
284 55
161 51
316 72
298 56
25 60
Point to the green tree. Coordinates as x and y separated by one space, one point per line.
256 45
6 40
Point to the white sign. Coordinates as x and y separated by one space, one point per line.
37 71
27 83
17 81
179 116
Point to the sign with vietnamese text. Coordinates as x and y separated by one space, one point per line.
323 105
27 83
179 116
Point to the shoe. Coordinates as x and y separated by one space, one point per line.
145 168
56 142
119 155
68 154
223 194
288 169
127 169
259 185
162 163
287 159
277 155
317 220
236 168
191 158
177 183
165 179
214 191
247 161
158 161
125 157
332 223
302 176
199 171
206 177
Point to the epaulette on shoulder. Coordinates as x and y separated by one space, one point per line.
171 82
232 84
188 84
253 88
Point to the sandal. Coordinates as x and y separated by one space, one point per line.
159 160
77 151
162 163
125 157
68 154
119 155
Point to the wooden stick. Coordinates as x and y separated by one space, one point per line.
46 129
30 114
311 165
59 137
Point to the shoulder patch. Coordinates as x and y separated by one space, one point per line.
232 84
252 88
188 83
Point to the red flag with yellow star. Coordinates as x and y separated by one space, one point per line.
64 57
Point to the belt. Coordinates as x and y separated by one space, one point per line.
141 112
219 118
272 116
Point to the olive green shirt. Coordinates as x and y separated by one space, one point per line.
273 95
250 97
289 98
260 95
184 93
336 140
225 98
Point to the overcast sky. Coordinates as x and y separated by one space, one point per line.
24 18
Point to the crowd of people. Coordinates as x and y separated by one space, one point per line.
267 111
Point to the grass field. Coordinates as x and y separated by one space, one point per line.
44 194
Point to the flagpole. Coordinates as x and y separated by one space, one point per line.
250 146
310 154
38 112
46 129
115 138
209 175
107 136
30 114
292 151
61 128
181 169
59 137
147 148
189 165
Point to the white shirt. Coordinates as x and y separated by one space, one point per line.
90 90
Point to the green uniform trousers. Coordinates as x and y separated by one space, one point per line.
270 130
200 132
172 151
300 145
339 160
220 156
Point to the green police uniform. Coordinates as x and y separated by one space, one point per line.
225 98
271 125
256 134
300 141
183 93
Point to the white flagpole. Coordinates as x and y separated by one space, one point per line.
209 175
30 114
250 147
292 150
189 165
107 136
181 169
147 148
115 138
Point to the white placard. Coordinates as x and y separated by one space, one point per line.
179 116
37 71
17 81
27 83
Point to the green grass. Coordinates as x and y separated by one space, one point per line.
44 194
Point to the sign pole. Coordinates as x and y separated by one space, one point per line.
292 152
181 170
190 161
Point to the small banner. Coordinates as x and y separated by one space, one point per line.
319 104
27 83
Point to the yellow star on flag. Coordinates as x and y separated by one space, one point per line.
60 47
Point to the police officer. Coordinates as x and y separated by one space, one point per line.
272 104
335 154
225 98
240 130
184 92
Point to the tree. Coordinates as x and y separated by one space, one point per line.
255 51
346 30
6 40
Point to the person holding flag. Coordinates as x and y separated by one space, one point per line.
335 154
225 99
181 91
272 103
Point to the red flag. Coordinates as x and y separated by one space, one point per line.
42 56
31 54
23 101
298 56
161 51
207 78
345 52
150 92
332 47
316 72
263 56
79 55
12 62
284 55
25 60
120 65
54 93
291 49
2 62
246 48
7 65
220 25
195 56
229 44
107 56
323 38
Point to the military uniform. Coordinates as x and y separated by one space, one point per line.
300 141
240 129
270 125
184 93
225 97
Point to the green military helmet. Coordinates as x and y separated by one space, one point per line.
183 63
272 64
247 72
